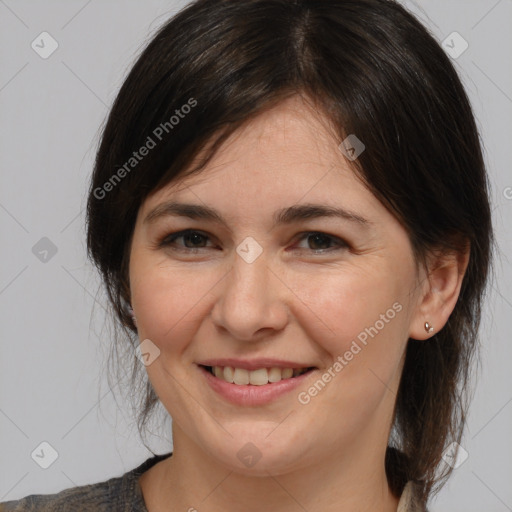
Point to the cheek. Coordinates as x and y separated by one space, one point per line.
367 317
169 301
352 304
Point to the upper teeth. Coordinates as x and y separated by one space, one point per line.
257 377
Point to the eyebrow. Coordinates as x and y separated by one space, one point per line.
287 215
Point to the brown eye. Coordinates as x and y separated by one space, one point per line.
322 242
191 240
195 239
319 241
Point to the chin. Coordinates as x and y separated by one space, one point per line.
260 457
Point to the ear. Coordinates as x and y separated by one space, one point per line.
440 292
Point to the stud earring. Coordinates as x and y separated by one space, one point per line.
428 328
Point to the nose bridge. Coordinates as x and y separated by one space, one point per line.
247 284
250 277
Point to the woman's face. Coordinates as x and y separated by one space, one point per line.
267 287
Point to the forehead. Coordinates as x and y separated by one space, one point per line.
287 155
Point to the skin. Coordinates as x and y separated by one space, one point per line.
291 303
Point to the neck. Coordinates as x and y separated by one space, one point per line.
192 480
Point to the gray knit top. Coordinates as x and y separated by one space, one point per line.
119 494
124 494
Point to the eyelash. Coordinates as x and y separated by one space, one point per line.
168 240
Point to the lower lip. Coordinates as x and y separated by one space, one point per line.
251 394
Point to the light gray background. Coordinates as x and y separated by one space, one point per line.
53 344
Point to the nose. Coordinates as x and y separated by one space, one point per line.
251 301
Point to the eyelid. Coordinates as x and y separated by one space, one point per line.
170 238
341 244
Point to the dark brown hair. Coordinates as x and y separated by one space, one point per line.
372 70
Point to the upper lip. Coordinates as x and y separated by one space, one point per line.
253 364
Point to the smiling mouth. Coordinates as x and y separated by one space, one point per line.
259 377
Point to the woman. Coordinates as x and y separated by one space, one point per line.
289 209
